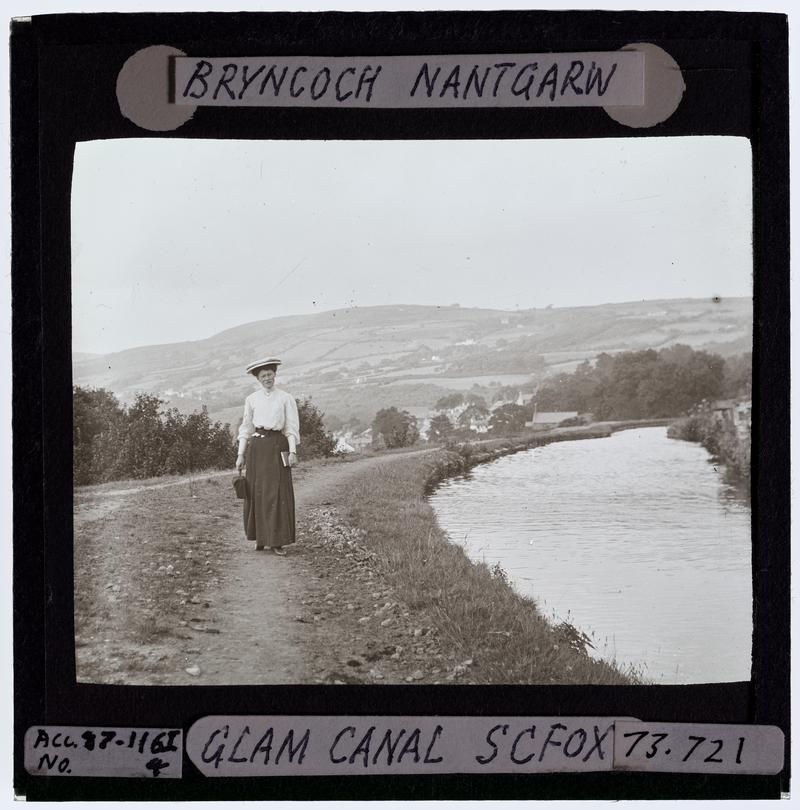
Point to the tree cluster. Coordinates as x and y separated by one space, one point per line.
457 399
645 384
509 418
314 439
111 442
144 440
506 419
440 429
471 406
393 428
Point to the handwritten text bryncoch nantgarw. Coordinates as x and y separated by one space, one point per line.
505 80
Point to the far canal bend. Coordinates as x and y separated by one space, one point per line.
635 539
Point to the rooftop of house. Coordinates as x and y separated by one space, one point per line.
552 417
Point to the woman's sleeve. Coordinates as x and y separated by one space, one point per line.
246 429
291 427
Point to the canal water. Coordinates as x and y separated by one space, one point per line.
635 539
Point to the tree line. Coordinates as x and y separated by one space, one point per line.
393 428
647 384
112 442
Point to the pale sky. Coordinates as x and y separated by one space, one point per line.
179 239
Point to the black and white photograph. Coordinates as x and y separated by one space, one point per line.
412 411
400 404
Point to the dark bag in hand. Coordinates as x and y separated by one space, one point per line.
240 486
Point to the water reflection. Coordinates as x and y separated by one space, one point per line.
636 539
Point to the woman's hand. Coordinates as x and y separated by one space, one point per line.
240 461
292 459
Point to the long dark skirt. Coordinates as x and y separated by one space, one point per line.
269 505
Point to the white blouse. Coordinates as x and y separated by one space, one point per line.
275 410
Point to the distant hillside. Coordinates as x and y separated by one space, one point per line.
353 361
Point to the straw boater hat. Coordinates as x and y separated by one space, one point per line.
266 361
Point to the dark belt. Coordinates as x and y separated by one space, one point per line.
264 433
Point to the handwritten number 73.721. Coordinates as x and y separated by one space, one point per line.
699 747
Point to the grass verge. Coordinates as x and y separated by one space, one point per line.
476 609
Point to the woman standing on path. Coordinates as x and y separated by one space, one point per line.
268 439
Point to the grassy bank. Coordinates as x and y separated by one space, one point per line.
503 633
481 451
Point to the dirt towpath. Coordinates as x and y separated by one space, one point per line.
168 591
263 636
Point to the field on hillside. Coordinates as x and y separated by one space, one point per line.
355 361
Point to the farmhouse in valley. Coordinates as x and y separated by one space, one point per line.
544 420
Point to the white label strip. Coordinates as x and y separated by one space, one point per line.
106 751
314 745
698 748
599 79
325 745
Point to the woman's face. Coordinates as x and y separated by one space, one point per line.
267 378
